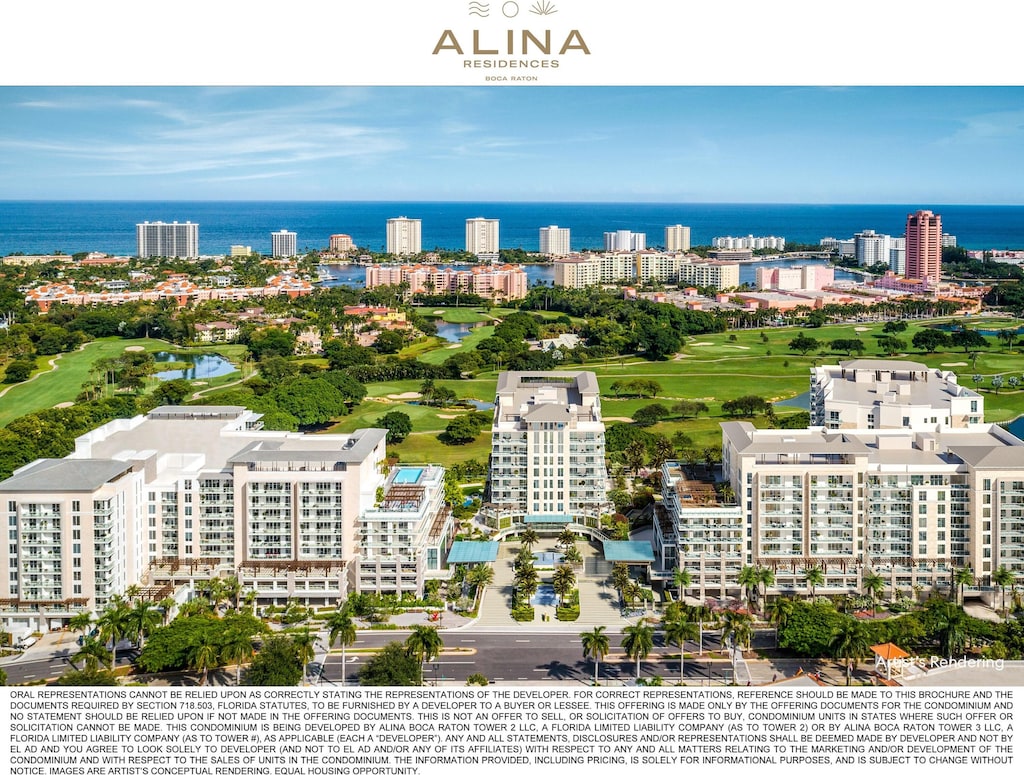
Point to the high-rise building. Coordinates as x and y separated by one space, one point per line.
554 241
871 248
169 240
481 235
341 243
624 240
403 236
898 255
677 238
924 246
547 450
294 516
283 244
870 393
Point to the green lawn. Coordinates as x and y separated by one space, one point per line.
477 335
458 314
64 383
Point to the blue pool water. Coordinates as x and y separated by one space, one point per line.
546 559
545 595
408 476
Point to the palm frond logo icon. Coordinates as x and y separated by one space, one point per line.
479 9
543 8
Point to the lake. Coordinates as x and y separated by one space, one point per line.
204 366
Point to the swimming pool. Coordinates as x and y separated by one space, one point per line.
408 475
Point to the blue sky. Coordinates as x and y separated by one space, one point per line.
688 144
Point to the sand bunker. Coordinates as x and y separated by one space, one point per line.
402 396
64 404
134 348
861 328
956 363
702 344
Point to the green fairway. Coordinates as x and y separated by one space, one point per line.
425 448
449 349
459 314
64 383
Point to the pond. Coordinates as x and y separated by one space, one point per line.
203 365
801 401
455 332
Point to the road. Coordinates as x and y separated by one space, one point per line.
503 657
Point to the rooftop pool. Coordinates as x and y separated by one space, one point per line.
408 476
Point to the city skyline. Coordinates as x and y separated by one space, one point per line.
954 145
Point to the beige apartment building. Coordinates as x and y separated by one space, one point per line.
909 505
871 393
186 493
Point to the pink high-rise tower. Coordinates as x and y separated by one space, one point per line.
924 246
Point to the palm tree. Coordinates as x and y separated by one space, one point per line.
92 652
564 580
480 575
637 641
596 645
572 555
873 585
142 618
682 578
963 577
620 577
779 610
341 630
1002 577
850 643
678 631
747 579
528 538
814 577
566 538
204 655
233 589
424 643
738 626
166 605
237 648
113 625
304 641
765 578
82 621
952 629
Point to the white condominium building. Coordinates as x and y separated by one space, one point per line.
403 236
624 240
186 493
910 506
871 248
554 241
168 240
547 451
283 244
406 534
872 394
750 242
644 266
481 236
677 238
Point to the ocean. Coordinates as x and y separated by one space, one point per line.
107 226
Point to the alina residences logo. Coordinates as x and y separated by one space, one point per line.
511 36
